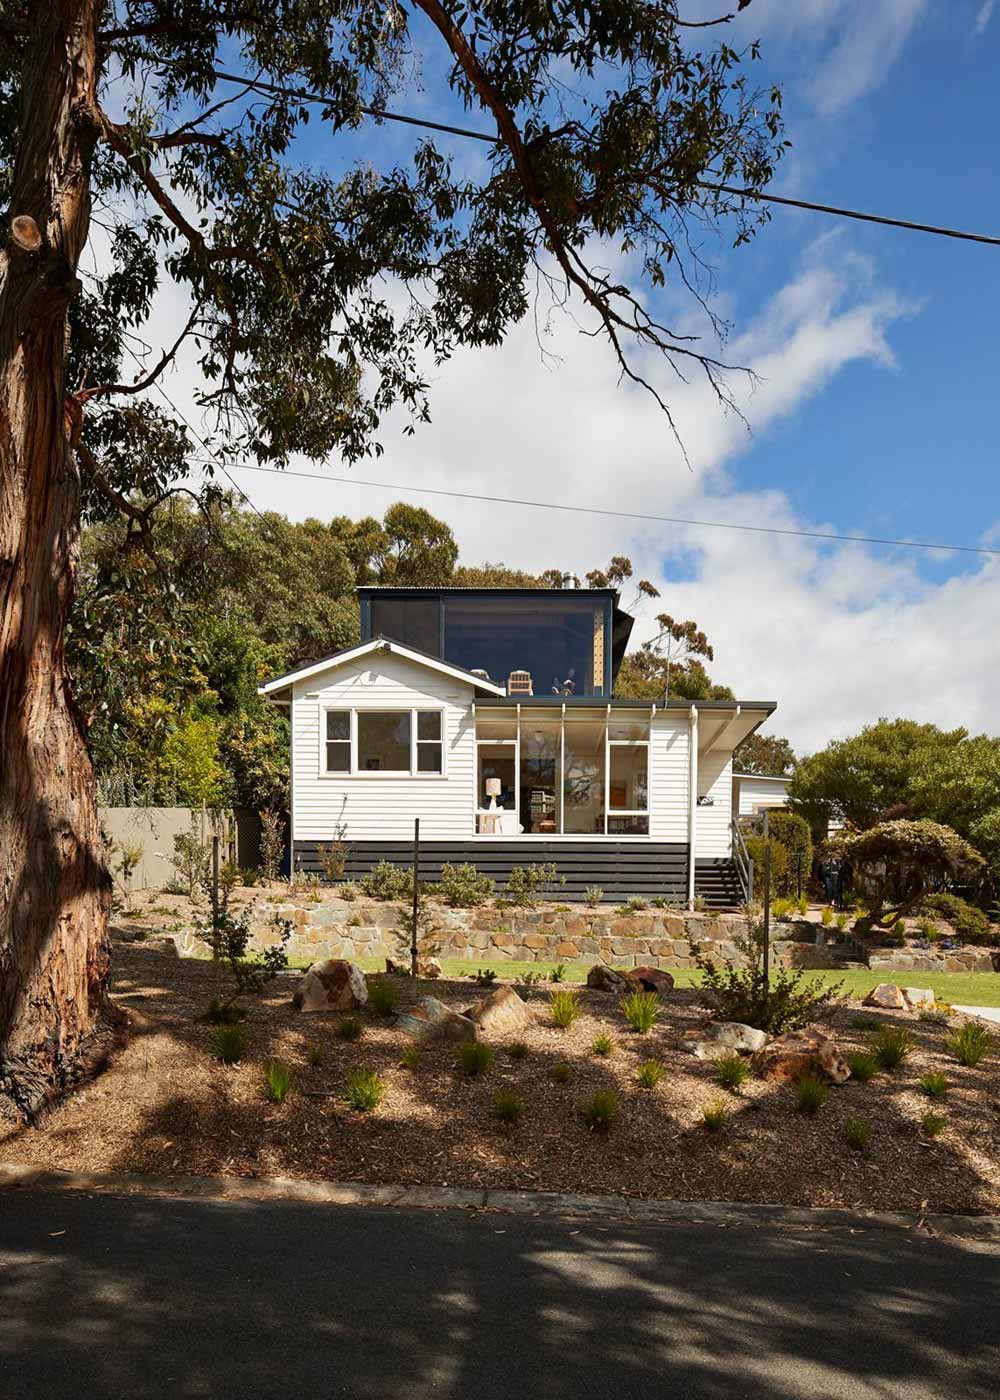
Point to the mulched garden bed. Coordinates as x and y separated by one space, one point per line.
166 1105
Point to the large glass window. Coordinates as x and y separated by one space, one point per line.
383 741
558 642
572 773
627 777
416 622
583 781
540 777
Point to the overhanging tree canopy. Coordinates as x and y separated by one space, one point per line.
900 860
311 294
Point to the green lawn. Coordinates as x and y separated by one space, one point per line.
961 988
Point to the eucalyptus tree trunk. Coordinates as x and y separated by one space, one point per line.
54 885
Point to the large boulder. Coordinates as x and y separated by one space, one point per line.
651 979
608 979
333 985
501 1012
809 1051
722 1036
429 967
430 1019
888 996
918 998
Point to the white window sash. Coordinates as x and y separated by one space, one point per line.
354 771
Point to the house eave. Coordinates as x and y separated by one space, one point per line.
278 690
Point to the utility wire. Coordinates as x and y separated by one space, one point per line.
627 514
383 114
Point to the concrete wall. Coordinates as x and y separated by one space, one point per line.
154 829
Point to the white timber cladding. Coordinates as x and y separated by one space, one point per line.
756 793
380 806
715 809
669 738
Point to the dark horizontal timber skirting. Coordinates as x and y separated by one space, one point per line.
620 869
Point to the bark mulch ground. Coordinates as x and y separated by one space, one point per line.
167 1105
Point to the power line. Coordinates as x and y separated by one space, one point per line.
838 211
829 535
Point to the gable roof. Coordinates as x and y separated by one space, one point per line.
271 688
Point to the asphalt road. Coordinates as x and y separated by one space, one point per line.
108 1297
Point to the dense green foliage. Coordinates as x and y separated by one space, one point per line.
767 754
970 923
899 861
784 1001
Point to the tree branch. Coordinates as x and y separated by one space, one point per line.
105 390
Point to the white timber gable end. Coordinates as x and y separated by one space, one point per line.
378 806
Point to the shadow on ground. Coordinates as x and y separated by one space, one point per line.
113 1296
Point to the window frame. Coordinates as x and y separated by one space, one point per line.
383 774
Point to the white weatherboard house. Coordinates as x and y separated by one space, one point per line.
488 714
752 792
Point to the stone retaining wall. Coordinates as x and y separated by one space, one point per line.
968 958
327 927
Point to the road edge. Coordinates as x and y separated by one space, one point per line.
535 1203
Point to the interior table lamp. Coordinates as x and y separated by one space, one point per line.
493 789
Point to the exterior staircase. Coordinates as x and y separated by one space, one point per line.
717 882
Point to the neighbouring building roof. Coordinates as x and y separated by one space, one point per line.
273 689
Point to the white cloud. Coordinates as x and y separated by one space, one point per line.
983 16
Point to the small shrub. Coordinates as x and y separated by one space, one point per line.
528 980
863 1023
412 1057
558 973
564 1008
334 857
714 1115
602 1045
857 1133
635 905
272 844
364 1090
348 892
507 1107
463 887
517 1050
315 1055
863 1065
781 908
842 920
930 931
561 1073
383 996
485 976
387 881
810 1093
971 1044
593 895
350 1027
277 1081
600 1111
641 1011
826 916
229 1044
732 1071
737 992
650 1073
970 923
933 1016
475 1057
890 1046
934 1085
224 1013
933 1124
527 884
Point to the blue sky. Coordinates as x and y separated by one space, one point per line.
875 413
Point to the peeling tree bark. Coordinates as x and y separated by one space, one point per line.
54 884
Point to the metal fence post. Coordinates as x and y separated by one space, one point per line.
767 904
215 877
416 896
